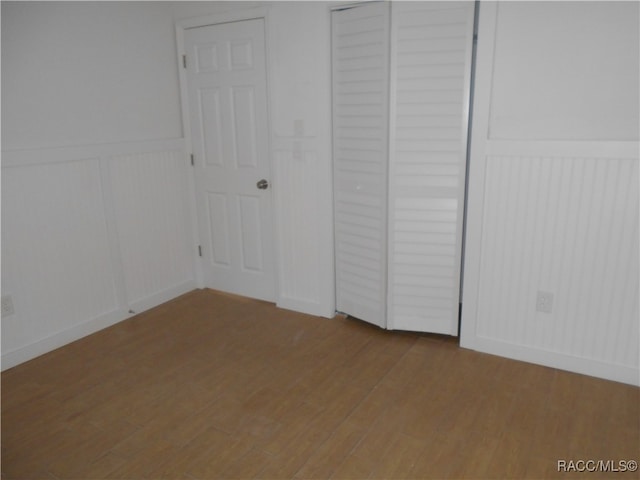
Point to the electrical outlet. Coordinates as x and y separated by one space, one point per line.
544 302
7 306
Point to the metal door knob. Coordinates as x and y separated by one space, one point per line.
262 184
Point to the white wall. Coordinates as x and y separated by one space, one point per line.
566 71
97 213
553 187
82 73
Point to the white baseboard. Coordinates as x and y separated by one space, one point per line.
585 366
60 339
310 308
139 306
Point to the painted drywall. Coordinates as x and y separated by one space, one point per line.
553 187
566 71
86 73
83 73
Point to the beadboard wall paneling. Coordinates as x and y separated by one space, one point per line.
567 226
89 233
56 258
550 211
151 205
297 207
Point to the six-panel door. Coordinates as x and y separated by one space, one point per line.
226 75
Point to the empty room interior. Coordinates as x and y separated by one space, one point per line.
308 239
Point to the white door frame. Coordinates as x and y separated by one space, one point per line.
201 21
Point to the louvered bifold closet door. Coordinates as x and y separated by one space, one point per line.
431 64
360 45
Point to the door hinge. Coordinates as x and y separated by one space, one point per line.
193 162
184 61
199 250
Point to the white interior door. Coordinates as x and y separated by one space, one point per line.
360 41
226 82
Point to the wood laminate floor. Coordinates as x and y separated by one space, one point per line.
216 386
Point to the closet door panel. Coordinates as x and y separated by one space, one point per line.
430 65
360 39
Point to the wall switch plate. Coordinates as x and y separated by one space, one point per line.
7 306
297 151
544 302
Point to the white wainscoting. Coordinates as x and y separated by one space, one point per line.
559 217
296 201
153 224
88 234
555 210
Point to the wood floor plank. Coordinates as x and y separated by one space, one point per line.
202 446
399 459
212 385
289 461
221 457
294 428
353 467
331 453
248 466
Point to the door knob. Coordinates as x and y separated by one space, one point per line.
262 184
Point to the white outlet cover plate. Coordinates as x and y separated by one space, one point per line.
544 302
7 306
